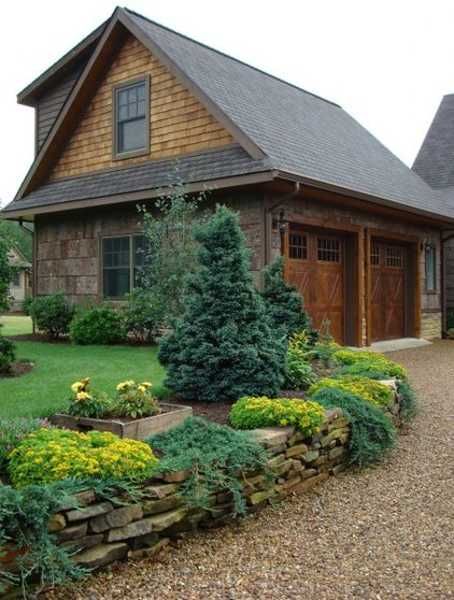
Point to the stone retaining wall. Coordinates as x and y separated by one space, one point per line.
102 531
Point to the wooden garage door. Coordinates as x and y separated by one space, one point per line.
388 285
315 266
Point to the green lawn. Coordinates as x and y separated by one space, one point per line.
46 388
15 325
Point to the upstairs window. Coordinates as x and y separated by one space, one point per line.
131 118
122 261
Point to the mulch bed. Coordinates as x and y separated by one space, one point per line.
215 411
17 369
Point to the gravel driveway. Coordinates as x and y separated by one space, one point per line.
384 533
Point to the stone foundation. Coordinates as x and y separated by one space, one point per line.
431 325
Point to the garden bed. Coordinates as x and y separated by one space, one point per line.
170 416
18 368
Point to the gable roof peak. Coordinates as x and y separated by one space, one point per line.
228 56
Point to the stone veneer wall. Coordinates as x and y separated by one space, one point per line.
102 531
67 247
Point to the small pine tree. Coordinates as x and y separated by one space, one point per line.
223 347
283 302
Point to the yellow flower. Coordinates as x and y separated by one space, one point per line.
142 389
81 396
76 386
147 384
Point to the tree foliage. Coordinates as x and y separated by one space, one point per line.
170 251
223 347
284 303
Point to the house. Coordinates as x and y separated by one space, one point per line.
135 105
19 288
435 164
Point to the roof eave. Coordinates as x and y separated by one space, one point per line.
139 196
29 94
331 187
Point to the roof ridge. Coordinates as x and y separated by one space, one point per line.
238 60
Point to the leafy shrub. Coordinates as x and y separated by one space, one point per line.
367 389
298 373
7 353
370 361
223 347
12 431
170 250
52 314
140 316
283 302
87 403
135 400
250 413
372 432
26 305
408 401
361 369
218 458
98 325
48 455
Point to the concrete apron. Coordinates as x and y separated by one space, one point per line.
400 344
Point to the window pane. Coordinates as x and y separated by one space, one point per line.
131 135
141 108
116 282
328 250
430 268
123 113
123 97
116 271
297 246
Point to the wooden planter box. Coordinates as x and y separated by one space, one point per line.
138 429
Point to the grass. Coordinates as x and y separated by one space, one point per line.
45 389
15 325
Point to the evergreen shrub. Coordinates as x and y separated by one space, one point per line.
218 458
283 302
372 432
223 346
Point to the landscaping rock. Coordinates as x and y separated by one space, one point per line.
336 452
311 482
272 436
72 533
134 529
297 450
176 476
152 507
101 555
310 456
258 497
83 498
148 552
84 543
89 512
308 473
165 520
160 491
56 523
116 518
276 461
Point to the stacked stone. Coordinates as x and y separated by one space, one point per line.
101 532
298 463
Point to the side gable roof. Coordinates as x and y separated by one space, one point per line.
435 159
298 133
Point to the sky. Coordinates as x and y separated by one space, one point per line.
387 62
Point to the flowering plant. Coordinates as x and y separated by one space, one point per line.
252 412
87 403
135 400
366 389
48 455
